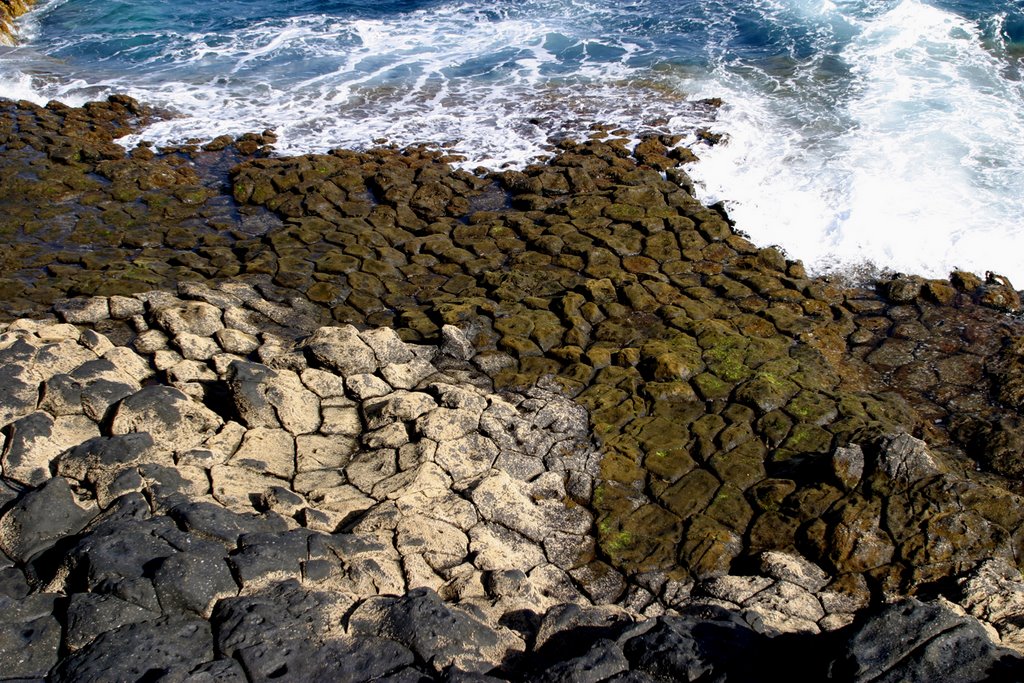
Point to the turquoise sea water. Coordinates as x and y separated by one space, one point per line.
885 132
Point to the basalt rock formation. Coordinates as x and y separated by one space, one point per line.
566 404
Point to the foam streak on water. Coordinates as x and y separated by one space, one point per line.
909 156
888 132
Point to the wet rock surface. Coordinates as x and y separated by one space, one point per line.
9 11
429 423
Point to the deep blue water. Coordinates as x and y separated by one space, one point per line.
888 132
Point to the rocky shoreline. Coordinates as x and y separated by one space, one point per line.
9 11
364 415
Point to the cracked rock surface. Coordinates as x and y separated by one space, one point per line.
340 503
370 416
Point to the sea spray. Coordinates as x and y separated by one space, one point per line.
858 131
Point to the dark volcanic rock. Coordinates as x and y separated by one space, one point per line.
90 615
193 582
914 641
42 518
286 456
167 648
281 613
347 660
30 636
441 636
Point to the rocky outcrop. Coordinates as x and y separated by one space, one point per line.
367 414
9 11
719 378
306 502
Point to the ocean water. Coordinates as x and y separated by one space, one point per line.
879 133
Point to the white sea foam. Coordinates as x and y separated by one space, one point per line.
489 86
880 131
917 164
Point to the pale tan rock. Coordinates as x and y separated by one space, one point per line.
131 363
500 499
906 460
236 341
834 622
95 342
847 599
379 523
192 317
124 307
109 487
366 386
164 359
848 465
58 332
408 375
344 499
734 589
795 569
318 452
455 396
549 580
194 347
448 507
221 362
448 424
316 519
497 548
306 482
427 481
150 341
387 346
393 435
412 455
322 383
267 450
188 371
676 593
466 457
419 574
366 468
226 441
243 291
236 488
29 453
568 551
787 608
465 584
297 408
994 593
200 457
286 316
396 406
376 574
341 349
26 325
59 358
280 354
84 310
441 544
455 343
283 501
202 292
341 420
244 320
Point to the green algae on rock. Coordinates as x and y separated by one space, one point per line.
723 383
